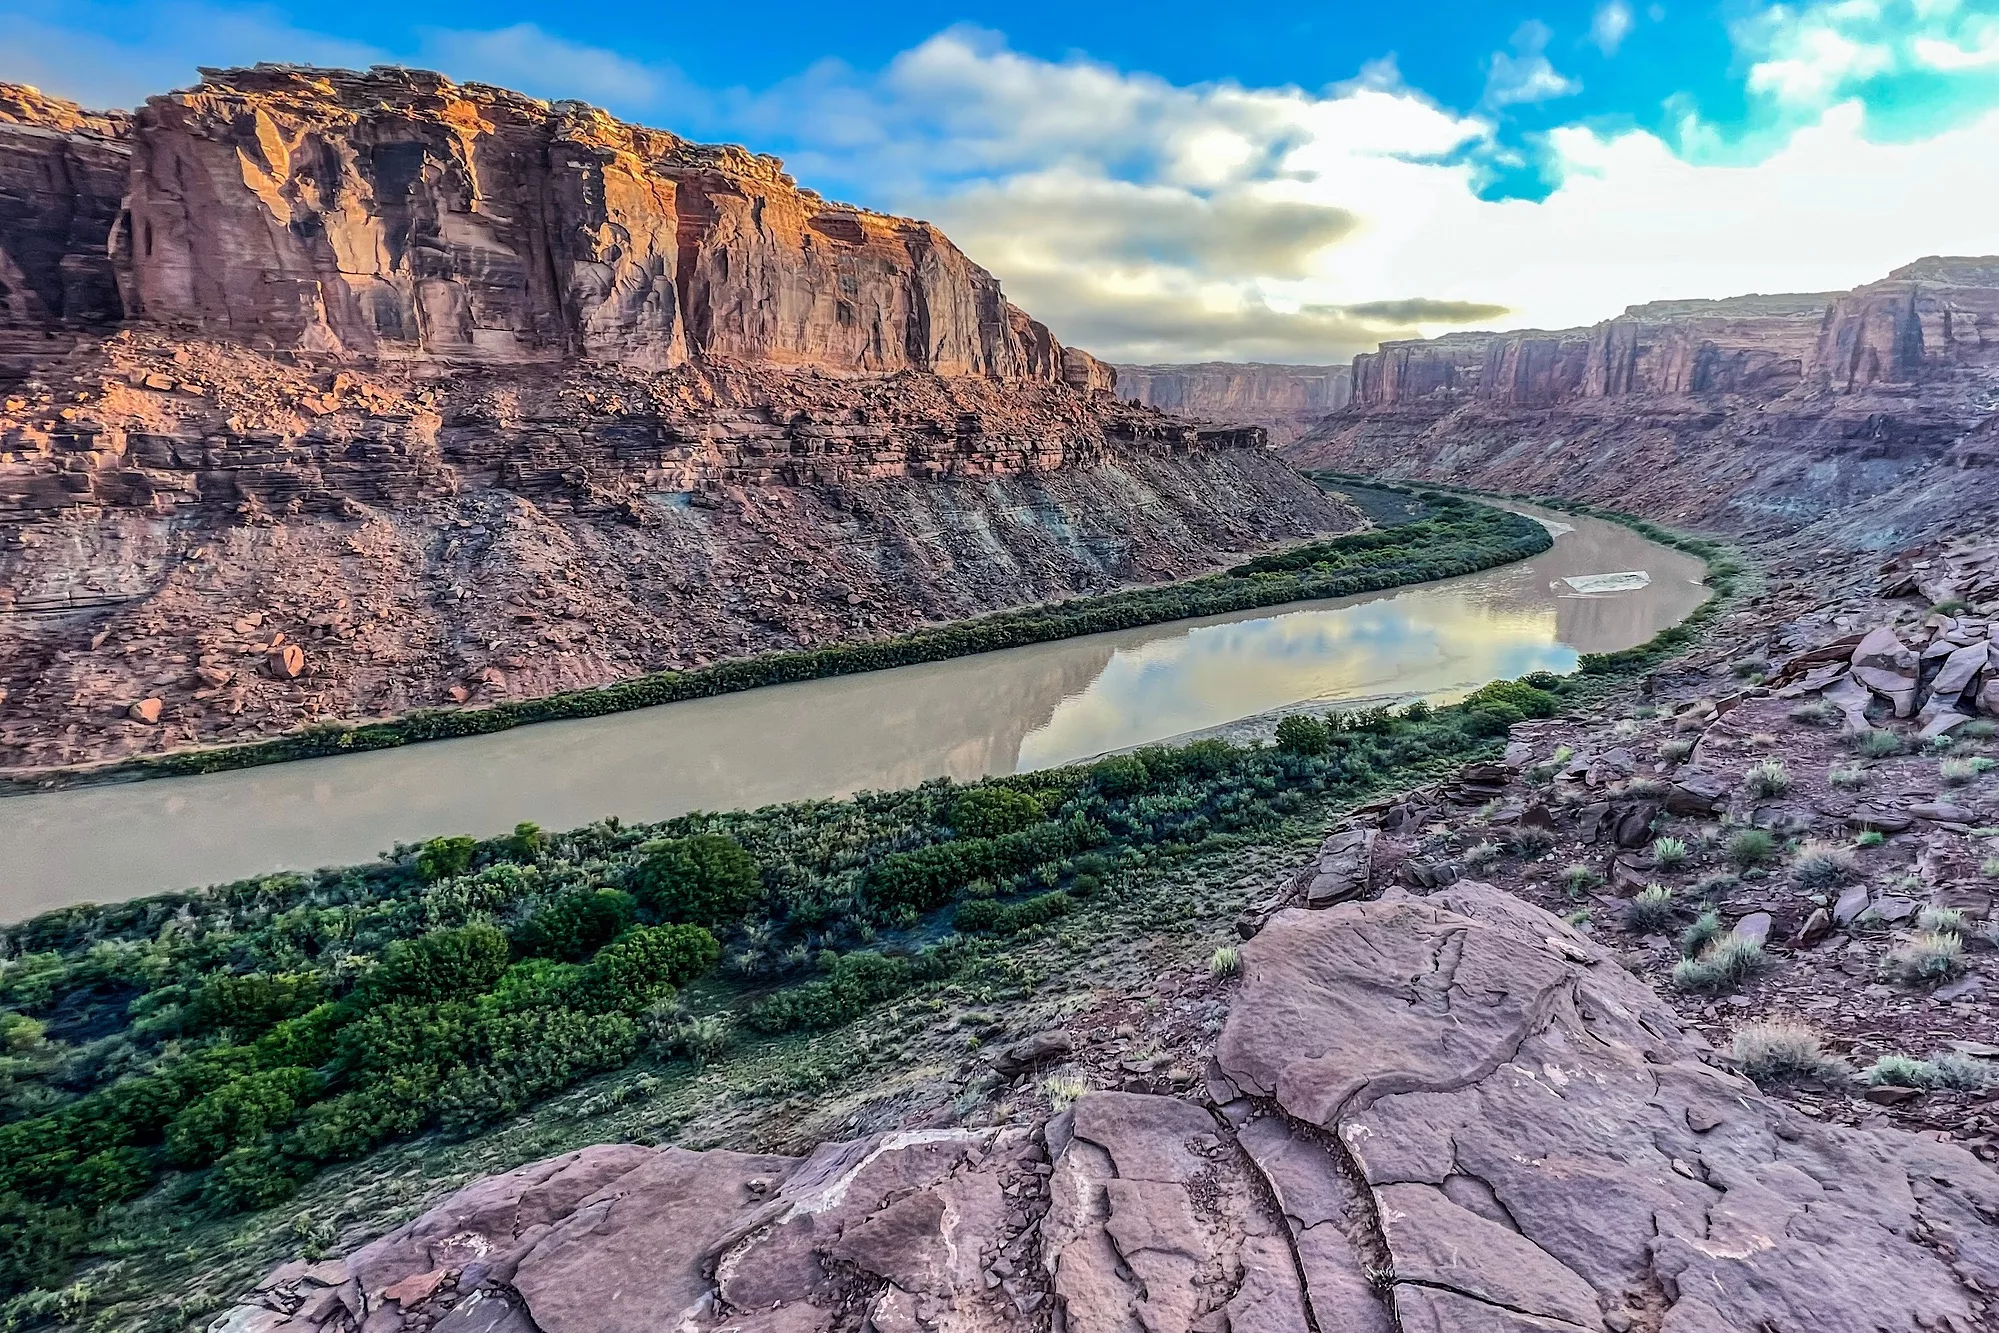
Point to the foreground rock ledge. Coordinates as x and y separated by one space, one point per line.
1445 1113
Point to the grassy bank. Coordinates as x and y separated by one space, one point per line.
196 1082
1448 537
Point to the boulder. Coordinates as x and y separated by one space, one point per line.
285 661
1344 867
146 711
1887 666
1943 812
1031 1052
1959 670
1520 1111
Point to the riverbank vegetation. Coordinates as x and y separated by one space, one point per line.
1433 536
204 1053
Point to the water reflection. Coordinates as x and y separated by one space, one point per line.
998 712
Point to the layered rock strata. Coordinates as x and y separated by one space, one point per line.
63 174
1451 1113
1287 401
1761 413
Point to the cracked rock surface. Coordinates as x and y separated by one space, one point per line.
1451 1114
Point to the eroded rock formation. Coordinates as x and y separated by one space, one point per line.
1762 413
1287 401
385 392
1447 1114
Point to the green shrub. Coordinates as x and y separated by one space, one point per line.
1751 847
932 876
250 1003
1226 962
987 916
1766 778
239 1112
444 858
1728 962
1670 854
1875 744
1823 865
990 812
650 963
441 964
1652 910
1846 779
1301 733
1927 955
576 925
1675 752
1120 775
855 983
1899 1071
1705 930
701 880
1870 838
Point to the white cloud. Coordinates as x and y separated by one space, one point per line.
1810 55
1150 221
1611 25
1525 73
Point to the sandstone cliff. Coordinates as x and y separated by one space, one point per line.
384 392
1287 401
397 214
1760 413
62 178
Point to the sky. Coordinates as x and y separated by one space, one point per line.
1279 182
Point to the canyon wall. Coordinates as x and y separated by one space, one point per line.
1762 414
397 214
1285 400
336 395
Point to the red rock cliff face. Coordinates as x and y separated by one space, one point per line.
62 175
397 215
1285 400
1860 410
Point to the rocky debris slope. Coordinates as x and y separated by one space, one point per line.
1761 414
1448 1113
174 514
428 394
1285 400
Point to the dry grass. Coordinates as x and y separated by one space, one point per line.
1778 1050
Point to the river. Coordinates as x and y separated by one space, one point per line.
1001 712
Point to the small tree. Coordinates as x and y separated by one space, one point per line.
1300 734
989 812
703 880
443 964
647 965
442 858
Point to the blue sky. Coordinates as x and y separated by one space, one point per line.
1279 181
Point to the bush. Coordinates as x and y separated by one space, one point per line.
1530 840
1751 847
1670 853
856 982
702 880
1870 838
984 914
1899 1071
442 964
1777 1051
576 925
1675 752
1874 744
1846 779
1817 713
1728 962
444 858
1963 1073
1823 865
1943 920
989 812
1766 778
1479 855
1580 878
1927 955
1120 775
1652 910
1705 930
1958 772
650 963
1300 733
239 1112
1226 962
931 876
250 1003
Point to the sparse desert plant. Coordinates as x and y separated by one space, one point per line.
1766 778
1670 853
1963 1073
1580 878
1063 1091
1927 955
1989 867
1979 729
1748 668
1873 837
1624 729
1647 787
1226 962
1958 772
1779 1050
1579 917
1950 606
1942 920
1750 847
1846 779
1877 744
1675 752
1713 886
1817 713
1899 1071
1530 840
1762 740
1479 855
1727 962
1653 910
1704 931
1821 865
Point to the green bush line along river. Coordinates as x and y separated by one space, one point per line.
213 1050
1450 536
